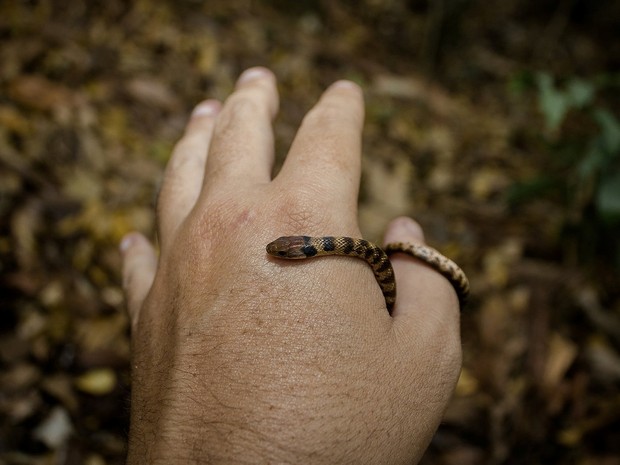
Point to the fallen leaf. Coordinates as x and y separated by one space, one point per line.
40 93
55 430
561 354
498 261
604 360
486 182
60 387
467 384
153 92
20 377
12 119
97 382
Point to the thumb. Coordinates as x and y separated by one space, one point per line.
424 297
139 266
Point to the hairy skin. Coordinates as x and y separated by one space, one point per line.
242 358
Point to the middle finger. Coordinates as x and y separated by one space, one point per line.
326 153
241 149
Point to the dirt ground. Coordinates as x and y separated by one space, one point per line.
93 96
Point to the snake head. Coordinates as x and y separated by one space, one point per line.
288 247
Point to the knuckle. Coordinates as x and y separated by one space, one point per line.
233 119
332 115
338 160
214 220
323 115
243 103
303 210
186 153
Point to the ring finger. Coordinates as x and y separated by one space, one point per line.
242 146
184 172
325 156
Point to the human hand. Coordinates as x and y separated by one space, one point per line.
242 358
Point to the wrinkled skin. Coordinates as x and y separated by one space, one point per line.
239 357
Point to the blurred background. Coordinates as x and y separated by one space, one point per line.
495 124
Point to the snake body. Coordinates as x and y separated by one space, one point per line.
301 247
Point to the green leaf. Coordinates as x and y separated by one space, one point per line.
608 195
593 161
610 130
552 103
579 92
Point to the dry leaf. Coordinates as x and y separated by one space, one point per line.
55 430
40 93
561 354
153 92
467 384
486 182
97 382
498 261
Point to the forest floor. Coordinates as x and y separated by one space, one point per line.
93 96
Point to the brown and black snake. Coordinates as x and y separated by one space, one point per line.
301 247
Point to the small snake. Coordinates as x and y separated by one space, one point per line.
300 247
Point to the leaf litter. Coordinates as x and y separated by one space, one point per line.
93 97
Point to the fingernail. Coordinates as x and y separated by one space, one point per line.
127 241
344 84
252 74
205 109
412 227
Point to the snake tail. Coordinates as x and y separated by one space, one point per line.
446 267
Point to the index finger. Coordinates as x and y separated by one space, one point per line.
326 151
